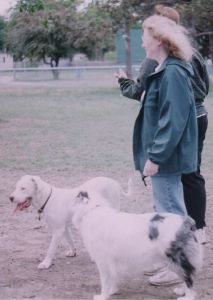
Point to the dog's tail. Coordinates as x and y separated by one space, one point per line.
130 189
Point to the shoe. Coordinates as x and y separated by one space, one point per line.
156 268
202 236
165 277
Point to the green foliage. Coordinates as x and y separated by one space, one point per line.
49 29
124 12
3 30
30 6
45 35
198 17
95 35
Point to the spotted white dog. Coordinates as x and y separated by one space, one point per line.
124 244
54 204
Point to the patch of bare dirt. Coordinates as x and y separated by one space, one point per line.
24 241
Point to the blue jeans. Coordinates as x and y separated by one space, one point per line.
168 194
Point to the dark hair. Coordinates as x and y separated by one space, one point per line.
168 12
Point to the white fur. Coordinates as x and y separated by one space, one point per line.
57 210
119 242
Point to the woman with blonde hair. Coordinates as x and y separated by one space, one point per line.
165 131
193 183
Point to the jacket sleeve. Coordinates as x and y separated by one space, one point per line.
206 79
174 106
203 73
134 89
200 80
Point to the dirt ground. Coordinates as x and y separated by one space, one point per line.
24 241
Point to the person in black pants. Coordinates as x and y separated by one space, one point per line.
194 183
194 186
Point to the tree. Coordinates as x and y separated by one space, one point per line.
3 32
197 15
95 36
30 5
48 30
125 14
43 34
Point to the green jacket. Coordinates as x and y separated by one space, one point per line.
165 130
199 81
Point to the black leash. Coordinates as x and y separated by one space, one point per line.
143 179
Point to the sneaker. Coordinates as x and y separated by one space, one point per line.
165 277
202 236
156 268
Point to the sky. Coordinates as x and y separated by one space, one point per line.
4 5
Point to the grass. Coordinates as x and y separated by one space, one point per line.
76 126
64 126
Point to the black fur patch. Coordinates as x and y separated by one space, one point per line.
83 194
157 218
178 252
153 227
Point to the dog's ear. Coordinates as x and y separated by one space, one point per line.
36 180
83 196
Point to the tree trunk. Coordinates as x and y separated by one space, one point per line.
54 63
211 47
127 44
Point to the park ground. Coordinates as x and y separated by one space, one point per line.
68 132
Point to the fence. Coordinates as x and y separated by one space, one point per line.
70 73
65 73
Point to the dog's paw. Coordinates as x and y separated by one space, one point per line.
114 291
185 298
188 296
45 264
99 297
71 253
179 291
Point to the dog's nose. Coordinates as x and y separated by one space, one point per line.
11 198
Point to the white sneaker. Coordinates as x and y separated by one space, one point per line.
165 277
156 268
202 236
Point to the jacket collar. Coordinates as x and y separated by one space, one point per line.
175 61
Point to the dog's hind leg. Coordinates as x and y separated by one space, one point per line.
189 294
108 282
68 235
185 256
57 236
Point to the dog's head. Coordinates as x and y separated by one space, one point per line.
24 192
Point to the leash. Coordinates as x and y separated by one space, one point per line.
143 179
41 209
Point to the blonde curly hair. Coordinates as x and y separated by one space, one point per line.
172 36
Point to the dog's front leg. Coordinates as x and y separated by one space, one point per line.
56 237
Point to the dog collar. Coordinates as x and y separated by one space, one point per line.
41 209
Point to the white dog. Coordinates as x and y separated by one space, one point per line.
124 244
55 205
